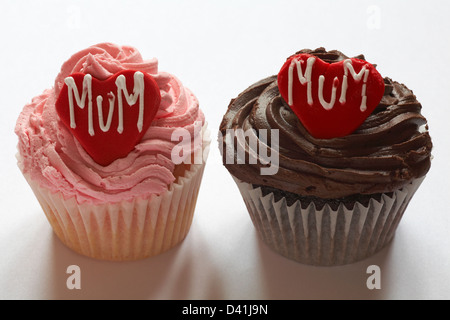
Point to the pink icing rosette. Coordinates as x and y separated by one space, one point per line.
50 155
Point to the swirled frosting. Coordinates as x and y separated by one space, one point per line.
50 154
390 149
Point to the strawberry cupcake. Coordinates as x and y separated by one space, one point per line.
115 153
327 154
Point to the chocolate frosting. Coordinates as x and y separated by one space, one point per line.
389 150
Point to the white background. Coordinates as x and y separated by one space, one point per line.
217 49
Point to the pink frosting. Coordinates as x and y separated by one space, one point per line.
50 154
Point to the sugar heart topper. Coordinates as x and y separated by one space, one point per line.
108 130
330 99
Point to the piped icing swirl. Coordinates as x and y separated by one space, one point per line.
50 154
389 150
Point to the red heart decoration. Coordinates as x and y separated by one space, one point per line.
307 83
108 117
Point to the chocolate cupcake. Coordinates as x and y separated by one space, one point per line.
327 155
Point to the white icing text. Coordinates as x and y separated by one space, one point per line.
138 93
305 78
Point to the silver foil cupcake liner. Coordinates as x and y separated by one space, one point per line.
326 237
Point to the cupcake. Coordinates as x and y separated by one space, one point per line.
114 152
327 155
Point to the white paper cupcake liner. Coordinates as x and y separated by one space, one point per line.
127 230
326 237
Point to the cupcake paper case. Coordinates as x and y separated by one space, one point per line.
124 207
335 197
